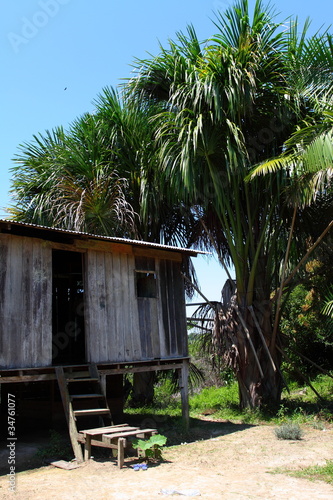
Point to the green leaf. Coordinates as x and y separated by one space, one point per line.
140 443
156 440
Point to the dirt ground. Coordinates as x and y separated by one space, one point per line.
235 462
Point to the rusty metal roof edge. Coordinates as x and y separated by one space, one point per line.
126 241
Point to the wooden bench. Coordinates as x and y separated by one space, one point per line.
114 437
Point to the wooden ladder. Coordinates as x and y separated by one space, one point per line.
83 399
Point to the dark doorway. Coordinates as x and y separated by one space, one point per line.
68 338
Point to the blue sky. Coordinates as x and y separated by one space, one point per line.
48 46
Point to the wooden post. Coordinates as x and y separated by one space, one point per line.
87 447
121 449
183 386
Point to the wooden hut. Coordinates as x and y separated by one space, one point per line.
75 300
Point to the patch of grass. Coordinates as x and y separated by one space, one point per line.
323 384
289 431
301 407
157 412
316 472
215 399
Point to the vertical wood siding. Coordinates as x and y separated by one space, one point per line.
173 309
25 302
112 318
121 326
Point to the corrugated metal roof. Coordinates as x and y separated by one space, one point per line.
114 239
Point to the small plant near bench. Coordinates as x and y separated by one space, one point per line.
289 431
150 448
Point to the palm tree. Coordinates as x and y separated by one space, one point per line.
132 133
100 176
70 180
230 104
308 159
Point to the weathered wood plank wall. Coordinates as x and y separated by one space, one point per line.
112 318
119 324
25 302
173 309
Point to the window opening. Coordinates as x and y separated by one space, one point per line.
146 284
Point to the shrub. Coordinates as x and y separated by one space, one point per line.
289 431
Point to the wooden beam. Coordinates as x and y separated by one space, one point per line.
26 378
103 246
68 247
14 375
160 254
138 369
96 442
108 371
128 248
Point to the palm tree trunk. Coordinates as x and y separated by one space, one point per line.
143 388
258 375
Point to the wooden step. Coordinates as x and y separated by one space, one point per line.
84 374
92 411
108 428
86 396
127 433
99 431
77 373
88 379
